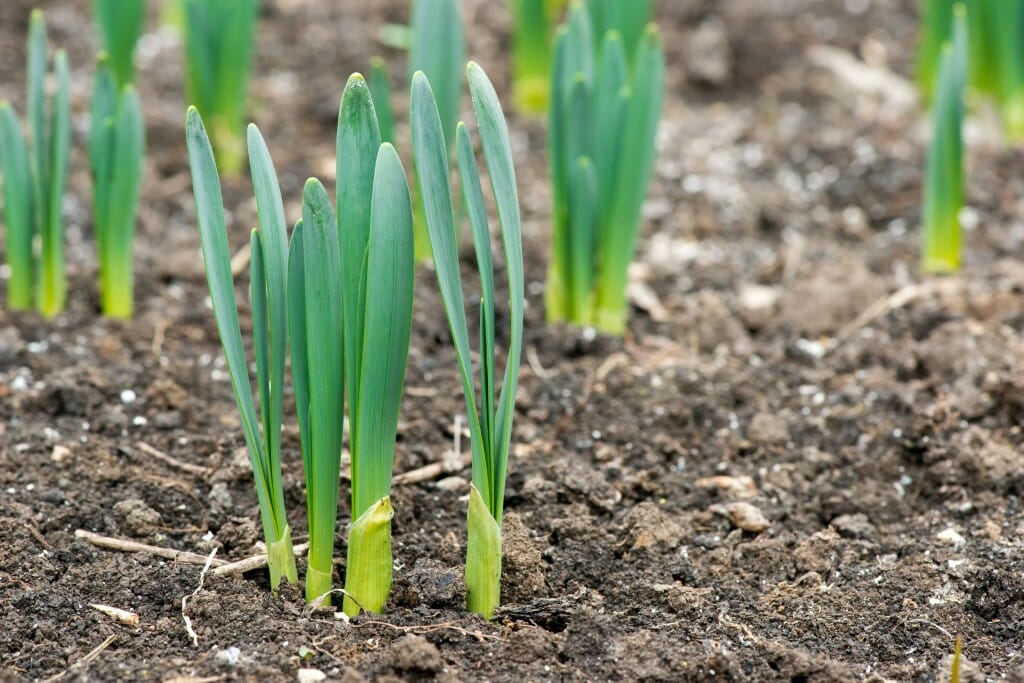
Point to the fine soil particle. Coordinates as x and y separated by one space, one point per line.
779 475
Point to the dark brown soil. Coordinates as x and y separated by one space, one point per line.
880 454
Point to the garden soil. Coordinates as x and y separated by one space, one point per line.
803 463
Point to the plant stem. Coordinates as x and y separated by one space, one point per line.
483 557
281 559
116 286
368 567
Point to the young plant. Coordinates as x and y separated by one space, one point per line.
438 50
116 144
35 172
218 50
120 23
375 230
490 423
944 174
603 120
268 295
533 24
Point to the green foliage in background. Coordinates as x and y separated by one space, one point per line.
116 146
603 120
120 23
219 38
944 175
35 172
995 53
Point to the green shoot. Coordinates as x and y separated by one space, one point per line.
120 23
218 50
438 50
944 174
533 25
490 423
35 174
995 53
380 90
603 120
315 328
374 225
116 143
269 275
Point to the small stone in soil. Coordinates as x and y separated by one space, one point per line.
747 517
416 653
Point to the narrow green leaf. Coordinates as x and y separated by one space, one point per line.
610 101
325 380
299 340
358 142
101 146
386 333
583 233
53 285
37 119
477 209
17 191
557 294
273 234
435 189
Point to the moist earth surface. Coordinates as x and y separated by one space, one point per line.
801 464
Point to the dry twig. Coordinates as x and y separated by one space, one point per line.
157 454
127 546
